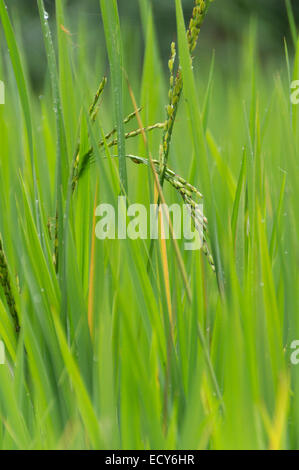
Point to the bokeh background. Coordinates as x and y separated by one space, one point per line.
251 137
228 22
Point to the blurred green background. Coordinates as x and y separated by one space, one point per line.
228 22
251 137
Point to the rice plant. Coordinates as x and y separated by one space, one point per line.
137 343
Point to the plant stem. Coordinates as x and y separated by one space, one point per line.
6 285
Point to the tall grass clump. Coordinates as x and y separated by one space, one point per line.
139 344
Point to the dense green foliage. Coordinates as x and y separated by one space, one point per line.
115 351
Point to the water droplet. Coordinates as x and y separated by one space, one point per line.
46 15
